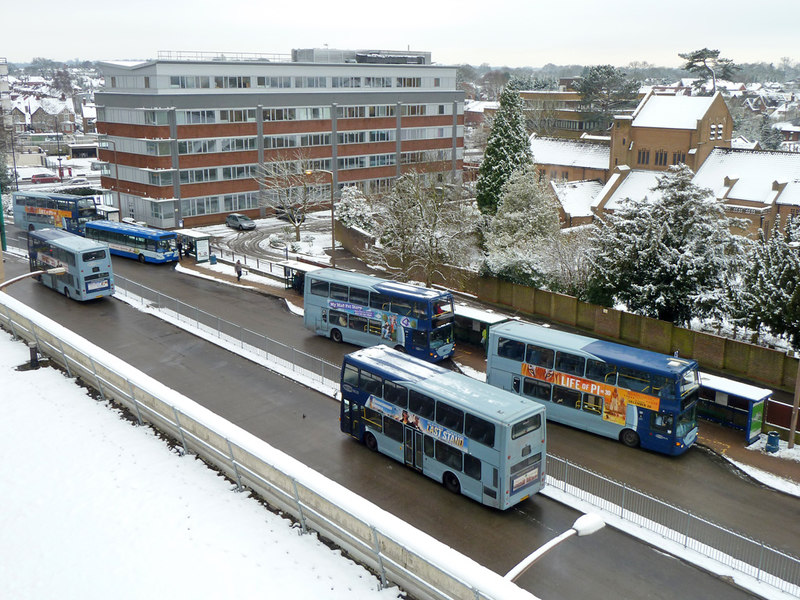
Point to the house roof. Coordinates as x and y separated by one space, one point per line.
671 112
576 197
751 174
569 153
636 185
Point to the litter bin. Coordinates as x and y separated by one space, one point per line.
212 259
772 441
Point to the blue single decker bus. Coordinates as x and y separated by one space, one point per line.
135 241
639 397
475 439
366 311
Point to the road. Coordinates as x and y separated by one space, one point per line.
304 424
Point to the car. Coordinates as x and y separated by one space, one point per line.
78 181
239 221
44 178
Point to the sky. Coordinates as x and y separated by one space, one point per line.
511 33
95 498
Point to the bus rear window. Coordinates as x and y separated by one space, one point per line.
95 255
526 426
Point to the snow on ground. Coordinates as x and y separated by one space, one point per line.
93 507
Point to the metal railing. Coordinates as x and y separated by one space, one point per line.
748 556
418 563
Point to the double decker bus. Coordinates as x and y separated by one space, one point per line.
134 241
40 210
88 264
639 397
366 311
477 440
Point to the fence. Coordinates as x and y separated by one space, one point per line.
421 565
722 545
693 532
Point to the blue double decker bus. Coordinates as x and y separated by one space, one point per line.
639 397
475 439
44 210
366 311
134 241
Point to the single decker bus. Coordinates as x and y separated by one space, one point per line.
42 210
135 241
639 397
88 264
475 439
366 311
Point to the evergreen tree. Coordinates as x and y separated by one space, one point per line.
525 225
507 149
707 63
605 90
669 258
769 136
355 210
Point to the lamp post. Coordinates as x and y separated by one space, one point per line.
55 271
116 168
585 525
333 222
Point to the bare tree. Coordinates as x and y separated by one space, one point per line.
285 187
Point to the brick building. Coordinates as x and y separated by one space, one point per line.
184 134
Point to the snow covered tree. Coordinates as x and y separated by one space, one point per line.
707 63
669 257
769 136
507 149
355 210
770 293
525 225
422 227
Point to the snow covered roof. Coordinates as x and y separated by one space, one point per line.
636 185
671 112
478 106
577 197
743 143
569 153
751 174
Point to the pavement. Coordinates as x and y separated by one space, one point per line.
726 442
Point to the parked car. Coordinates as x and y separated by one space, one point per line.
44 178
78 181
239 221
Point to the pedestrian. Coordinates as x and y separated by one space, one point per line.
238 269
180 249
484 333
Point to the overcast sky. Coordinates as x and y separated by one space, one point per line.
509 32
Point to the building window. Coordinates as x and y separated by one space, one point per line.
678 158
661 158
346 82
644 157
409 82
234 82
378 82
310 82
274 82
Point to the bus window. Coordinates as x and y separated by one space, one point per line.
358 296
380 301
593 404
448 455
479 430
338 318
570 363
350 375
401 306
358 323
566 397
532 423
442 306
339 292
419 338
604 372
536 389
633 379
541 357
661 421
511 349
449 417
421 404
420 310
319 288
393 429
396 394
371 384
472 467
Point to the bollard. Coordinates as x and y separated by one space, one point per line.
773 440
212 259
34 356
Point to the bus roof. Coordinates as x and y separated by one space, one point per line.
618 354
385 286
52 195
66 240
477 397
147 232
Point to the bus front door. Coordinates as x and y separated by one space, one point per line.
413 447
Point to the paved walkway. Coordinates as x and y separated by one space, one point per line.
726 442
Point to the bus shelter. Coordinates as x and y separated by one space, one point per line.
733 404
294 274
195 243
471 322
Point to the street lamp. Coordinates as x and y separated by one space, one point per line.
585 525
55 271
333 225
116 168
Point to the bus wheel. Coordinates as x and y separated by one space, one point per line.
66 293
629 437
336 335
370 442
451 484
141 258
399 348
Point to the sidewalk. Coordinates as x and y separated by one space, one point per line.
723 441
